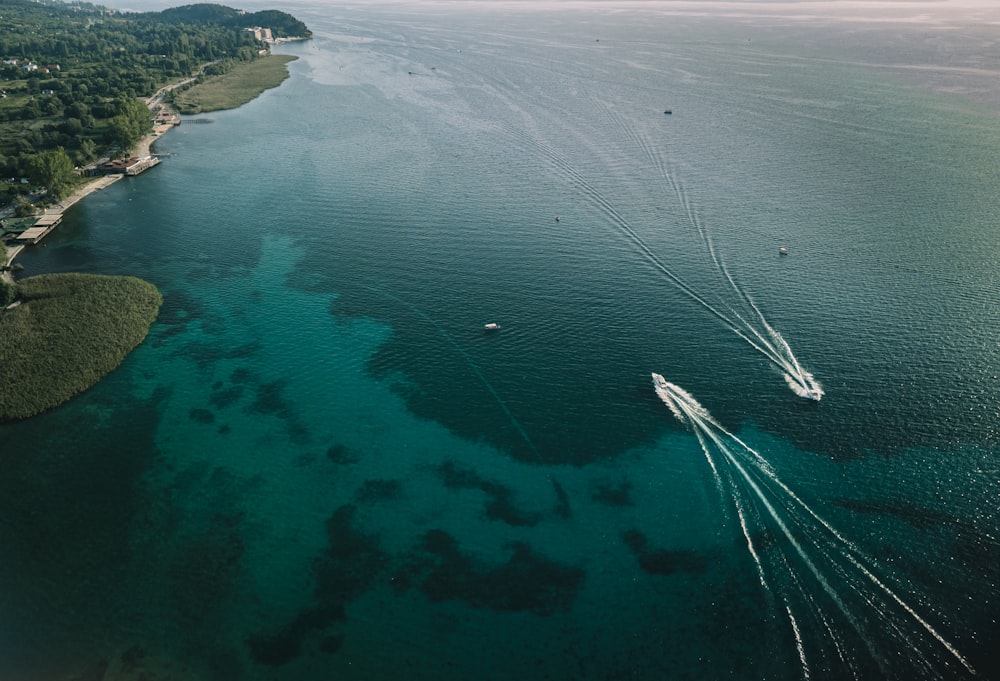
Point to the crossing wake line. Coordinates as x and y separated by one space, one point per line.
844 620
518 427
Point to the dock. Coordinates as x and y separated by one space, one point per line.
42 227
129 166
17 237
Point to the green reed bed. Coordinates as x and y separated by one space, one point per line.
65 334
237 86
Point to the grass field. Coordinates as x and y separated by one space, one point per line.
234 88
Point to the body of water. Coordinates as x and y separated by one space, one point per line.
320 464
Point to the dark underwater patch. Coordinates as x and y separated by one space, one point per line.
223 397
241 375
613 493
350 566
205 354
661 561
562 509
920 518
270 400
527 582
283 646
499 505
201 415
178 310
351 562
342 455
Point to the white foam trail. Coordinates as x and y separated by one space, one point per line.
667 399
839 555
940 639
767 342
798 643
690 407
740 513
854 554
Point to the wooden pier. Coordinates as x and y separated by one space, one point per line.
42 227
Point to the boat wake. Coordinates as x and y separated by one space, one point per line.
750 323
741 315
845 620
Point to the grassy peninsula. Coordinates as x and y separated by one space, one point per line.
66 332
241 83
72 74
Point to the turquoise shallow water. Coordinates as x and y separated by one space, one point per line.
319 465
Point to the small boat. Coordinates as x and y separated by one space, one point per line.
558 218
492 326
667 112
783 251
660 382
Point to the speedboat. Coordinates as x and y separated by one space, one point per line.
659 381
492 326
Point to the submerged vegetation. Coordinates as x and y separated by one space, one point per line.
67 332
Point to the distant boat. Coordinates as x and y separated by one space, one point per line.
667 111
492 326
783 251
557 218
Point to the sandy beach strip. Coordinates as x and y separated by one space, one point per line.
12 252
83 191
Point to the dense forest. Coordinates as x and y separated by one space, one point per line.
70 73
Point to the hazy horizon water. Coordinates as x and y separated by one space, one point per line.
320 464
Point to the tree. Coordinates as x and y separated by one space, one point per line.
23 209
132 122
72 127
124 133
54 170
88 150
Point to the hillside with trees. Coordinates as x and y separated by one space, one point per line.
70 74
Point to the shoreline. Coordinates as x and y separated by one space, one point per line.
142 148
165 117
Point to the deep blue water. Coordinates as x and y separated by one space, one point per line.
320 465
